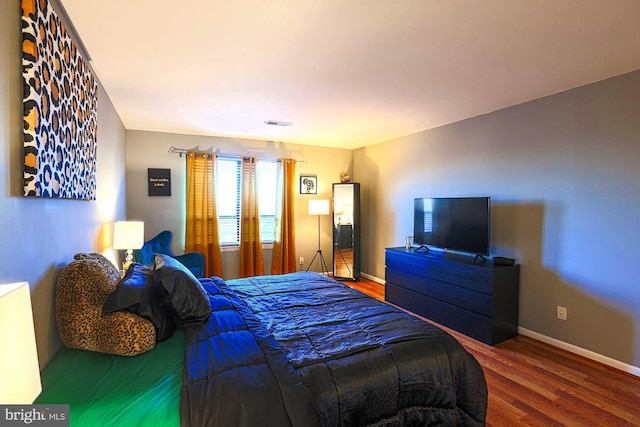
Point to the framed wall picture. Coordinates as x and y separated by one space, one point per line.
159 182
60 114
308 184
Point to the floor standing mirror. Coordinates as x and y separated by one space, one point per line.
346 231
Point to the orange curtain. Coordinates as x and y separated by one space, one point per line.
284 244
202 214
251 262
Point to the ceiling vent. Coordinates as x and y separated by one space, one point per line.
278 123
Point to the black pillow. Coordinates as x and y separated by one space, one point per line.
136 293
180 291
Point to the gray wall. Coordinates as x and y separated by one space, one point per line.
563 173
150 150
37 235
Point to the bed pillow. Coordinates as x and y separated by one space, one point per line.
180 291
136 293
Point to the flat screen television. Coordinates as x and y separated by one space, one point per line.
457 224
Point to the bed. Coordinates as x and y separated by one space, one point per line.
298 349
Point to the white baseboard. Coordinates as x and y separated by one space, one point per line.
633 370
372 278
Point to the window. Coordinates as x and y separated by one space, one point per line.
228 199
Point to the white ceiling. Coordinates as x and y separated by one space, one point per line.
347 73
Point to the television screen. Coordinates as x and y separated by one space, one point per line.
458 224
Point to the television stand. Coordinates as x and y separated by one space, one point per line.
425 247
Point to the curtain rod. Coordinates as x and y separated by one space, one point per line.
181 151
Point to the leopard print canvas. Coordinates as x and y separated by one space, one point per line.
60 109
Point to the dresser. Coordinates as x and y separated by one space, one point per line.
478 299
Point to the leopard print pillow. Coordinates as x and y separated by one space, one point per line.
81 290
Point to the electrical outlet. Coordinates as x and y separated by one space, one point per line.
562 313
301 260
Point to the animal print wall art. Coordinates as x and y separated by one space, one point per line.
60 109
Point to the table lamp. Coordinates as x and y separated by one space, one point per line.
19 368
128 235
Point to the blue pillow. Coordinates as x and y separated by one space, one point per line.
180 291
136 293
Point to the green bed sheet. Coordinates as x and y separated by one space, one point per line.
109 390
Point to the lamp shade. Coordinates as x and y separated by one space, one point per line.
128 235
19 368
318 207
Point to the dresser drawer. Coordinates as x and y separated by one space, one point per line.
407 262
412 301
477 302
477 278
406 280
472 324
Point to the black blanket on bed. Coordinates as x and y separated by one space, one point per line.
304 350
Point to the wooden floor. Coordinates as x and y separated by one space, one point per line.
534 384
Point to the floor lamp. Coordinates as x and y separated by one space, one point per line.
319 207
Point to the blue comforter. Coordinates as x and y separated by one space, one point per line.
304 350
